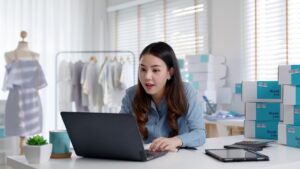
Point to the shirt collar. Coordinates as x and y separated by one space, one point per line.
162 105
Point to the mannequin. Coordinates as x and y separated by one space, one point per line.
17 117
21 50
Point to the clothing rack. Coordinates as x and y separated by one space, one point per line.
58 54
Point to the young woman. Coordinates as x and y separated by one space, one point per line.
167 110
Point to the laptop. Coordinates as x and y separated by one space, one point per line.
232 155
106 135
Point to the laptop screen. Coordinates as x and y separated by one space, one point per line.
104 135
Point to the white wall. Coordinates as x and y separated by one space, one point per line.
225 35
225 40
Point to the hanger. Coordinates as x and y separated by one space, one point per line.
93 59
115 59
122 60
128 59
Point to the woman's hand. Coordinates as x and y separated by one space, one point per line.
165 144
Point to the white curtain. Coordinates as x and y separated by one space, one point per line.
52 26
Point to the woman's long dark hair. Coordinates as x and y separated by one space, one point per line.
174 92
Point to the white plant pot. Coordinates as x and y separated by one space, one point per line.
37 154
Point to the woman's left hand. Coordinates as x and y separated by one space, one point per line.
165 144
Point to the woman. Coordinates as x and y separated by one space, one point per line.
167 111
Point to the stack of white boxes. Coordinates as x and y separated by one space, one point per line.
205 73
289 130
199 70
263 108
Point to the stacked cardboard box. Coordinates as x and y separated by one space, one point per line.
205 73
289 129
263 108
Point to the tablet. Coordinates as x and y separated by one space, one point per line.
231 155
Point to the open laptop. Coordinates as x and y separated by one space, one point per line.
106 135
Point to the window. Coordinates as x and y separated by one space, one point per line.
126 29
271 37
151 23
182 24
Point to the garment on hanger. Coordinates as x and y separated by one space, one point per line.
105 79
84 99
64 86
23 110
126 77
76 86
112 80
91 87
116 73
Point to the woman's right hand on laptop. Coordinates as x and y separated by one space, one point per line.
165 144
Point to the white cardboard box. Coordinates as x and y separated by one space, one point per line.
291 114
203 58
281 133
289 74
261 129
261 91
264 111
290 94
289 135
204 76
199 67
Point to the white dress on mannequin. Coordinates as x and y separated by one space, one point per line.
24 77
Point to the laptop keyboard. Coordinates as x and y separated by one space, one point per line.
151 154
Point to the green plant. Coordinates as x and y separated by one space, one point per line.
37 140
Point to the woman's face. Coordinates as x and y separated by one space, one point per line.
153 75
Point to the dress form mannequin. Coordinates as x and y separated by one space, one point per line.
22 52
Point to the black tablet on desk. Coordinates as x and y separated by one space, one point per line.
231 155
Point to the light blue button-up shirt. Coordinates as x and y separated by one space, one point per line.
191 124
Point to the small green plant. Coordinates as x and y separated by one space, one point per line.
37 140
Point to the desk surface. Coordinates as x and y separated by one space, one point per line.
280 157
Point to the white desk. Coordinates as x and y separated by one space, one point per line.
280 157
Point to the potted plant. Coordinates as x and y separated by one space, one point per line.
37 150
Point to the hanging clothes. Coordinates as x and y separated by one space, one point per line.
23 110
117 92
76 86
113 78
101 89
84 96
126 77
91 87
64 86
105 79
